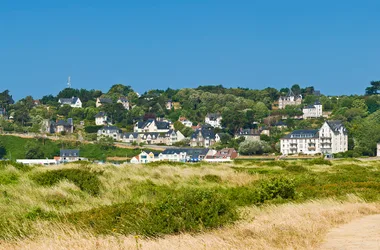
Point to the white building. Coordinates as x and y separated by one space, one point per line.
378 149
312 111
74 102
215 120
101 118
331 138
169 104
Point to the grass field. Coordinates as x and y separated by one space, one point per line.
264 205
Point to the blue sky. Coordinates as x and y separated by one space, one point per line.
332 45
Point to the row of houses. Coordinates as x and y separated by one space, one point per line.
186 155
331 138
65 156
167 136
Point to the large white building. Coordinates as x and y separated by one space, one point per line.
312 111
331 138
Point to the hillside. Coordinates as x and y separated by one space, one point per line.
40 148
106 203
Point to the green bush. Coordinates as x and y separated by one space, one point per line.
38 213
277 188
188 210
84 179
19 166
92 129
212 178
318 161
296 169
8 178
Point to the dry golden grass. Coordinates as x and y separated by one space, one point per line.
288 226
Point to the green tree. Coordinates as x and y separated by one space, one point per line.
33 150
3 150
254 147
260 110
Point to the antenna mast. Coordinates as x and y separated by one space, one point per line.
69 82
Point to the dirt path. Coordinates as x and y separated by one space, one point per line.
363 233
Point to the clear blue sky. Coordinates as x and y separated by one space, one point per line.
333 45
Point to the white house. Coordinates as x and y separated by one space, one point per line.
331 138
152 125
312 111
124 101
101 118
169 104
144 157
74 102
214 119
110 131
185 122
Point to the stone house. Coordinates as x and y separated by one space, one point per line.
289 99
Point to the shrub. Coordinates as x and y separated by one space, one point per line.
318 161
296 169
92 129
38 213
84 179
212 178
188 210
8 178
277 188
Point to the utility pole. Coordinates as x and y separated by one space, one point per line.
69 82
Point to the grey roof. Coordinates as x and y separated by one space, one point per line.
289 94
127 135
310 106
69 152
123 99
213 116
111 128
100 114
280 123
204 132
302 134
336 125
317 102
105 100
160 125
194 153
67 123
69 101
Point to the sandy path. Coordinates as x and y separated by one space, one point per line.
363 233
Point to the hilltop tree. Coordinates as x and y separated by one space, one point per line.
5 99
118 90
373 89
